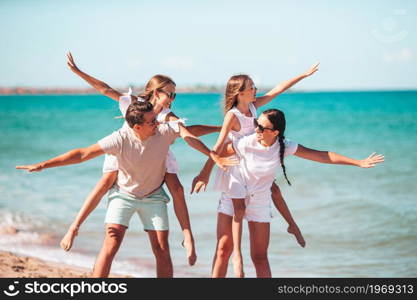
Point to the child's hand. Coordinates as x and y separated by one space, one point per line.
71 64
199 182
223 162
312 70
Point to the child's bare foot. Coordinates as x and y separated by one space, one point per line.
66 242
238 266
293 229
188 244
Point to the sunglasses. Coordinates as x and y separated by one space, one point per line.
153 122
170 95
260 127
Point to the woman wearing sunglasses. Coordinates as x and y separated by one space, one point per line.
160 91
240 111
260 154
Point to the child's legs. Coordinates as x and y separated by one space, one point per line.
90 203
177 191
160 248
283 209
239 211
259 241
92 200
180 207
280 204
224 245
112 241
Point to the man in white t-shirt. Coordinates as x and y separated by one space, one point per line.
141 151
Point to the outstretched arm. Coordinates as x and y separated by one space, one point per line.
283 86
99 85
201 180
75 156
327 157
199 145
196 130
200 130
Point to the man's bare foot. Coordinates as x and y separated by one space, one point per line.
238 266
66 242
188 244
293 229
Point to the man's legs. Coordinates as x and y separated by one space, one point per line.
160 248
112 241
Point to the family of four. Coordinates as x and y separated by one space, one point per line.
248 152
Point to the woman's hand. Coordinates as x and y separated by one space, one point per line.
31 168
312 70
71 64
371 160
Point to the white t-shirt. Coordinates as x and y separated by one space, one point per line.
259 164
141 164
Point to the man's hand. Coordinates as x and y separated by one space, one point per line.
31 168
371 161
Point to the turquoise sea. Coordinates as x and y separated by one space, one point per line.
357 222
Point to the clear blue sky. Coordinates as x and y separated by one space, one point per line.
360 44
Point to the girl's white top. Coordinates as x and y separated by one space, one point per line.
229 181
259 164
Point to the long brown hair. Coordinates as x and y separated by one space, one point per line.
235 84
157 82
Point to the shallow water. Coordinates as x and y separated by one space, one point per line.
357 222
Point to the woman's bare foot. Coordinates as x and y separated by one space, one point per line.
293 229
66 242
188 244
238 266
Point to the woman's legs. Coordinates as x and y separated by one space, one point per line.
224 246
239 211
160 248
112 241
259 240
90 203
282 207
180 207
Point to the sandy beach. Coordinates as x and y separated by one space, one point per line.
16 266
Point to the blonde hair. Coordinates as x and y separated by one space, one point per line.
157 82
235 85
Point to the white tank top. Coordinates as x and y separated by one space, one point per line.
224 180
247 126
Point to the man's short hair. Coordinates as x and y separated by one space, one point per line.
136 111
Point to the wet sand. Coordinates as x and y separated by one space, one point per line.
16 266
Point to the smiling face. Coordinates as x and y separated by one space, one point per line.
148 127
249 92
265 132
165 96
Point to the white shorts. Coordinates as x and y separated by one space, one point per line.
258 206
110 163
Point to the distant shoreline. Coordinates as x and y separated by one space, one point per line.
183 90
